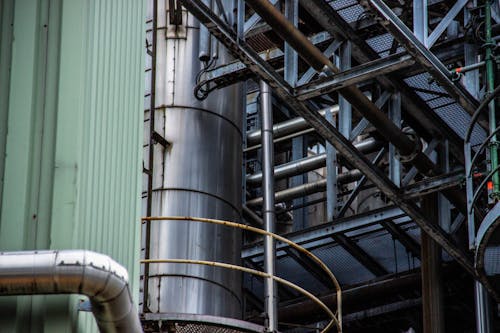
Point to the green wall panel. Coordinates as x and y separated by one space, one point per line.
71 144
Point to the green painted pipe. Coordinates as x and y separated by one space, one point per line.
490 86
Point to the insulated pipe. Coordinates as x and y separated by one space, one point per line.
92 274
309 188
309 163
268 213
287 127
314 57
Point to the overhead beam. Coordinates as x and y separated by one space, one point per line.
352 76
324 231
434 184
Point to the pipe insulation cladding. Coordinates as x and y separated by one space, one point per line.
198 174
92 274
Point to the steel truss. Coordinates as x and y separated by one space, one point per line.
284 91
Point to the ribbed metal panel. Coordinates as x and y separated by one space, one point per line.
74 150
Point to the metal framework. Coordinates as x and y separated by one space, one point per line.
342 73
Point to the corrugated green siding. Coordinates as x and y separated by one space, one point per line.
74 142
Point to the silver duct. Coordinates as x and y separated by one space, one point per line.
198 175
287 127
306 189
309 163
95 275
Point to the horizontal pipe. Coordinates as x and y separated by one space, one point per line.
306 189
287 127
309 163
281 139
92 274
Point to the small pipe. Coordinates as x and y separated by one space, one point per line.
287 127
268 212
306 189
281 139
252 216
467 68
205 40
309 163
95 275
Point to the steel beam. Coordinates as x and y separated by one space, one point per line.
310 266
406 240
247 55
422 55
434 184
432 293
394 162
227 74
360 255
360 73
324 231
352 297
254 19
415 108
382 310
360 184
445 22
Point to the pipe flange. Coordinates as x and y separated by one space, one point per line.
416 149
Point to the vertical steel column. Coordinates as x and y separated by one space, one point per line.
432 302
331 176
489 45
345 109
432 307
291 57
443 203
420 27
395 116
268 213
471 79
471 83
299 144
482 308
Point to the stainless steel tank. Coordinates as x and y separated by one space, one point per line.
198 175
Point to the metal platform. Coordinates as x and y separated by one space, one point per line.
193 323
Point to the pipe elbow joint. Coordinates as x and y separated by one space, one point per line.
417 148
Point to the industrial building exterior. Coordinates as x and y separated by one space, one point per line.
287 166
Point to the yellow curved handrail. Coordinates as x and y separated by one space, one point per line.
336 318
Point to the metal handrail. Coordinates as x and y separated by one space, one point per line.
470 161
483 183
481 147
336 317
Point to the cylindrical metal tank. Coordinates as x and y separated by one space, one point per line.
198 175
